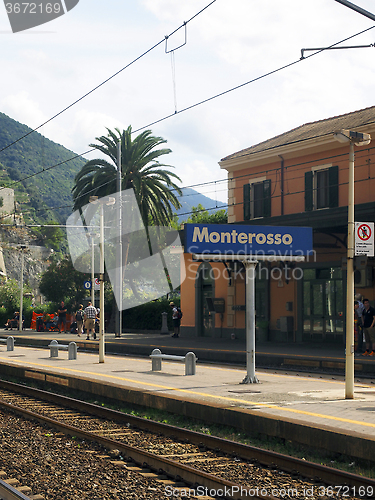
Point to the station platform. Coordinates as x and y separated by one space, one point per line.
306 409
307 357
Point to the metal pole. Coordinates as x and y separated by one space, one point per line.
92 271
119 245
349 356
21 297
101 323
250 323
357 9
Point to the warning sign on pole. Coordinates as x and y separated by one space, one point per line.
364 238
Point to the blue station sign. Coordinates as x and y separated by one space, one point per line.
230 239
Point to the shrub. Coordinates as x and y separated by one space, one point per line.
148 316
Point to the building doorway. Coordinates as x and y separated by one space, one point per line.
205 288
323 305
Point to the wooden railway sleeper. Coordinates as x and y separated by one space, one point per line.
13 483
249 452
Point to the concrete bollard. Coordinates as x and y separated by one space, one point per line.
10 344
54 351
190 363
72 350
156 363
164 323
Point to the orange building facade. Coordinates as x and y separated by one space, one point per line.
299 178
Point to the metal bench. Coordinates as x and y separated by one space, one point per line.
55 347
9 341
189 359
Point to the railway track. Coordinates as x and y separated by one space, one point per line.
9 492
201 463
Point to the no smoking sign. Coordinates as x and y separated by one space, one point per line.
364 238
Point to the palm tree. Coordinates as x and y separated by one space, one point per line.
153 186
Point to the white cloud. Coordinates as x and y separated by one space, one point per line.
21 107
228 44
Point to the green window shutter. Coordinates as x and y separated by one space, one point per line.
246 202
308 191
267 198
333 179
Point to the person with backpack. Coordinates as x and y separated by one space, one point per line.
79 320
176 318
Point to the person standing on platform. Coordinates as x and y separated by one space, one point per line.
61 312
359 311
90 316
176 319
79 320
357 319
368 322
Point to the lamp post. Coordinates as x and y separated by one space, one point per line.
358 139
119 244
107 201
101 280
92 235
22 247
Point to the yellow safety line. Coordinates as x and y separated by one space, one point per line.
240 351
226 398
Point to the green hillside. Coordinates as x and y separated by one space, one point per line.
45 196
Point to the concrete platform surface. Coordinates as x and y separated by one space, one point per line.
307 356
314 401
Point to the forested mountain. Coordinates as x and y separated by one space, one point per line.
26 168
42 173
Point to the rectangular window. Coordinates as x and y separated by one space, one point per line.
322 188
257 199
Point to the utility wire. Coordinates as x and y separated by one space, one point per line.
272 72
111 77
225 205
361 154
187 108
227 180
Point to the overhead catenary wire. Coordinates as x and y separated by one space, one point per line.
225 205
226 180
248 176
237 87
183 25
176 112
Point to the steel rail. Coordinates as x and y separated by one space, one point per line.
192 477
8 492
247 452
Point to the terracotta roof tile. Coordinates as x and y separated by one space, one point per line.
311 130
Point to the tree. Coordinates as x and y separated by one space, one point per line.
153 186
201 216
10 295
62 282
51 235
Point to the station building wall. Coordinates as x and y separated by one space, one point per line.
310 306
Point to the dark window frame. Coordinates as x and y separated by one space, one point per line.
328 197
259 206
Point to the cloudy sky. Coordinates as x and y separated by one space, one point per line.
47 68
